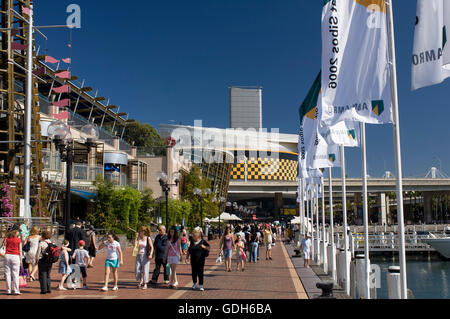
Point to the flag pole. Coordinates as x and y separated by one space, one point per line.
311 218
365 212
317 225
324 251
302 206
397 149
333 252
344 217
28 111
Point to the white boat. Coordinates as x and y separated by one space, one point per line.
442 245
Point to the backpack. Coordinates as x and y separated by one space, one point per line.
51 253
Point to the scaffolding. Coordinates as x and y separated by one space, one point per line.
13 56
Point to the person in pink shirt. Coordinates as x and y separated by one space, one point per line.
13 261
173 255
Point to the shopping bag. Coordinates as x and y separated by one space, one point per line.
168 270
136 250
219 259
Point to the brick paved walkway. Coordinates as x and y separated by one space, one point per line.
263 280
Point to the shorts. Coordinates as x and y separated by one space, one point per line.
91 251
83 271
173 260
113 263
227 253
269 246
64 269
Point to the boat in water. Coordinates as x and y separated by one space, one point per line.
440 244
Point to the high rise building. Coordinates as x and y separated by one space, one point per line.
246 107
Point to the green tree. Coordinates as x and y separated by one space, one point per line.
148 204
146 137
102 215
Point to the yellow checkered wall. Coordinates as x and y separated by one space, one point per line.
266 169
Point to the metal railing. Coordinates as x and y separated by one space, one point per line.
389 242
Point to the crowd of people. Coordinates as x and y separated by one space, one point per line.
27 252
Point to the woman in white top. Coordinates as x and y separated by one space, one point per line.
142 268
30 256
114 258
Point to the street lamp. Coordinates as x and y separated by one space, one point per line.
165 185
199 193
61 136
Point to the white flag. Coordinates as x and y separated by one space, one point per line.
345 133
355 62
429 40
446 34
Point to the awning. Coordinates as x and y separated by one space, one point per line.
84 194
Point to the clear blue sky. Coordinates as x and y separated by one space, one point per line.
174 60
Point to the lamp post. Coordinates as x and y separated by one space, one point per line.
199 193
165 185
61 136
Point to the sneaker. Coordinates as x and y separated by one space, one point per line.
104 288
201 288
17 293
194 286
166 281
175 284
144 286
115 288
62 288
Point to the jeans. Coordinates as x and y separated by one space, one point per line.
158 263
44 269
257 255
253 251
12 268
142 267
197 272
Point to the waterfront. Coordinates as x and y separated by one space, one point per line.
428 278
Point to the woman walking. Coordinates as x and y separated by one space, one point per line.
173 255
114 258
197 253
13 261
91 246
227 246
64 266
44 266
268 242
30 256
253 245
145 253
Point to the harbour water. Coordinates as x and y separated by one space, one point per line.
428 278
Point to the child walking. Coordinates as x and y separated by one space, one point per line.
64 267
241 257
184 243
114 258
81 258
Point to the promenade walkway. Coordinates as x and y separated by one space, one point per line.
271 279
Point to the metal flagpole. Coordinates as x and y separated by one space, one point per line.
324 251
28 110
302 206
307 212
344 217
333 252
317 225
310 220
398 154
365 212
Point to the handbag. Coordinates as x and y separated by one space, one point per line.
168 270
23 278
3 250
27 247
136 249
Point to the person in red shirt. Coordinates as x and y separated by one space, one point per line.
13 261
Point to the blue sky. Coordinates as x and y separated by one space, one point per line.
174 60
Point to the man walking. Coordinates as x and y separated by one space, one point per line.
160 245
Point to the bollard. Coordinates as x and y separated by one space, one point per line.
360 277
342 271
323 249
353 279
393 282
331 252
321 252
327 290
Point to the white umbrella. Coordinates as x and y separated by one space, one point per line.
234 217
207 220
225 216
